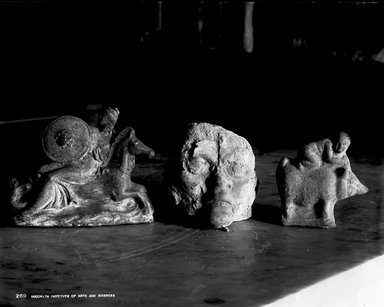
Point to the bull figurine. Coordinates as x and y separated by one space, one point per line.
310 185
88 182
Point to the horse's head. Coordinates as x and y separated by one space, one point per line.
136 147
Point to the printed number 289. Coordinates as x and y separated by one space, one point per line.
21 295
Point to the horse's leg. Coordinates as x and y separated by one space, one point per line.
141 198
121 165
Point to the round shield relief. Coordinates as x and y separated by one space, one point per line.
66 139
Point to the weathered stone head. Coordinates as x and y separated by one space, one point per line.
216 177
311 184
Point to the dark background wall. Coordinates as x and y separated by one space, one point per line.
313 69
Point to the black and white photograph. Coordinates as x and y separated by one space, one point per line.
192 153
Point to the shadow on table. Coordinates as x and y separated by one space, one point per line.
266 213
6 210
167 213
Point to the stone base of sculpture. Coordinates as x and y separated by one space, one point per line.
310 185
109 213
88 182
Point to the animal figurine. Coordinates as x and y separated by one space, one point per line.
310 185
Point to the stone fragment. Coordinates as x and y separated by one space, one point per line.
215 178
310 185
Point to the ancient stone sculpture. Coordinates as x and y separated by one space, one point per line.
310 185
215 178
88 182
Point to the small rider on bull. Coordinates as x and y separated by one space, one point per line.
314 154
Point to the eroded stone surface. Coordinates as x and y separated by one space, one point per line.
311 184
215 178
88 182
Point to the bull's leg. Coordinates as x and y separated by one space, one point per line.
328 218
289 213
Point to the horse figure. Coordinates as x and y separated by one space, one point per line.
89 181
117 174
